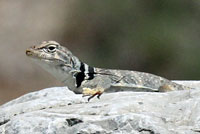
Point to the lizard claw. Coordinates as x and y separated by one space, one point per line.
99 95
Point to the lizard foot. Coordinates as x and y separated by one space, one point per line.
92 92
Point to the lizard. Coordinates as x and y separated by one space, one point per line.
92 81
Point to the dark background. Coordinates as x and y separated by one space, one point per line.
158 36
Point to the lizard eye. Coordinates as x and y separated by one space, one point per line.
51 48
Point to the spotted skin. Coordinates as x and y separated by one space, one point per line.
91 81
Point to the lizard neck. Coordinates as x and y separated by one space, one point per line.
60 71
72 75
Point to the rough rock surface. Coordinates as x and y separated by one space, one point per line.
59 111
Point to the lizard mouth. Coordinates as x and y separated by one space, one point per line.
32 54
29 52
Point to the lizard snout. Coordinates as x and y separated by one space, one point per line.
29 52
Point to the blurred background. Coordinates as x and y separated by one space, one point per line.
158 36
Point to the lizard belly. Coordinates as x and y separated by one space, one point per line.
130 87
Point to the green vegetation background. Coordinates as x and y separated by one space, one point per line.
157 36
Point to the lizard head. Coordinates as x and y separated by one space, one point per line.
50 52
55 59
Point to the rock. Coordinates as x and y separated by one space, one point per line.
59 111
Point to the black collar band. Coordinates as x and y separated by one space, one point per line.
80 77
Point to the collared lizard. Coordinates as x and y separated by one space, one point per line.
92 81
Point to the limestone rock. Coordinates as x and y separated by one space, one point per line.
59 111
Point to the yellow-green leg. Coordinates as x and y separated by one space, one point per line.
92 92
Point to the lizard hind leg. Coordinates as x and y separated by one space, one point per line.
167 87
98 91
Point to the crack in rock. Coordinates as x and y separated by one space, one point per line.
146 130
4 122
73 121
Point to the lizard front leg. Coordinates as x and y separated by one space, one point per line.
98 91
96 86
